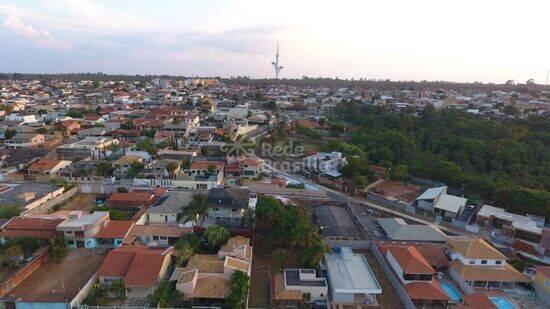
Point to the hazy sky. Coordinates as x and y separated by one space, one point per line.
482 40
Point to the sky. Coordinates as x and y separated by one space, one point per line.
464 41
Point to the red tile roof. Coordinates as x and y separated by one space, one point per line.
144 197
115 229
410 260
25 223
479 301
428 290
138 265
43 165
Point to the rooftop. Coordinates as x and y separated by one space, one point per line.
398 230
350 273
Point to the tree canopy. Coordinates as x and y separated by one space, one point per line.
504 163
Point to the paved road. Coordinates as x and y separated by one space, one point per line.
344 198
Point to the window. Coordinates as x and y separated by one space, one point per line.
472 262
155 238
498 262
233 209
484 262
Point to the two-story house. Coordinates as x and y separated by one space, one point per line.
476 264
227 205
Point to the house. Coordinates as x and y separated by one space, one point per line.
156 234
292 284
20 140
27 195
350 279
541 283
510 227
141 268
41 227
476 264
94 132
325 163
206 167
207 277
71 126
79 229
112 234
396 229
125 163
437 200
416 275
96 147
94 120
246 167
168 208
135 200
47 166
227 205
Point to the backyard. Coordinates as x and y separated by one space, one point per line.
264 267
81 201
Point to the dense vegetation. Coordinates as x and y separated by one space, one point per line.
506 163
288 226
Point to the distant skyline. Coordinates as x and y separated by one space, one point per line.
463 41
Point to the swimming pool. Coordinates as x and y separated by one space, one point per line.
451 291
502 302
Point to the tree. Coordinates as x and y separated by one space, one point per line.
399 172
240 284
118 288
248 218
171 167
9 133
58 249
197 209
359 182
216 235
14 254
8 212
185 252
281 257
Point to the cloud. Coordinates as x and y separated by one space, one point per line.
42 38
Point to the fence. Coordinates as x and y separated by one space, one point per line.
84 291
58 200
391 203
403 296
41 256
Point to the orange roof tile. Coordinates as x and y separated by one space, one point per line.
115 229
429 290
410 260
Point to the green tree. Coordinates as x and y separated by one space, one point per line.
171 167
58 249
118 288
216 235
240 284
9 133
8 212
197 209
14 254
399 172
359 182
185 253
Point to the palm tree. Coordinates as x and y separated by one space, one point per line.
216 235
171 168
197 209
